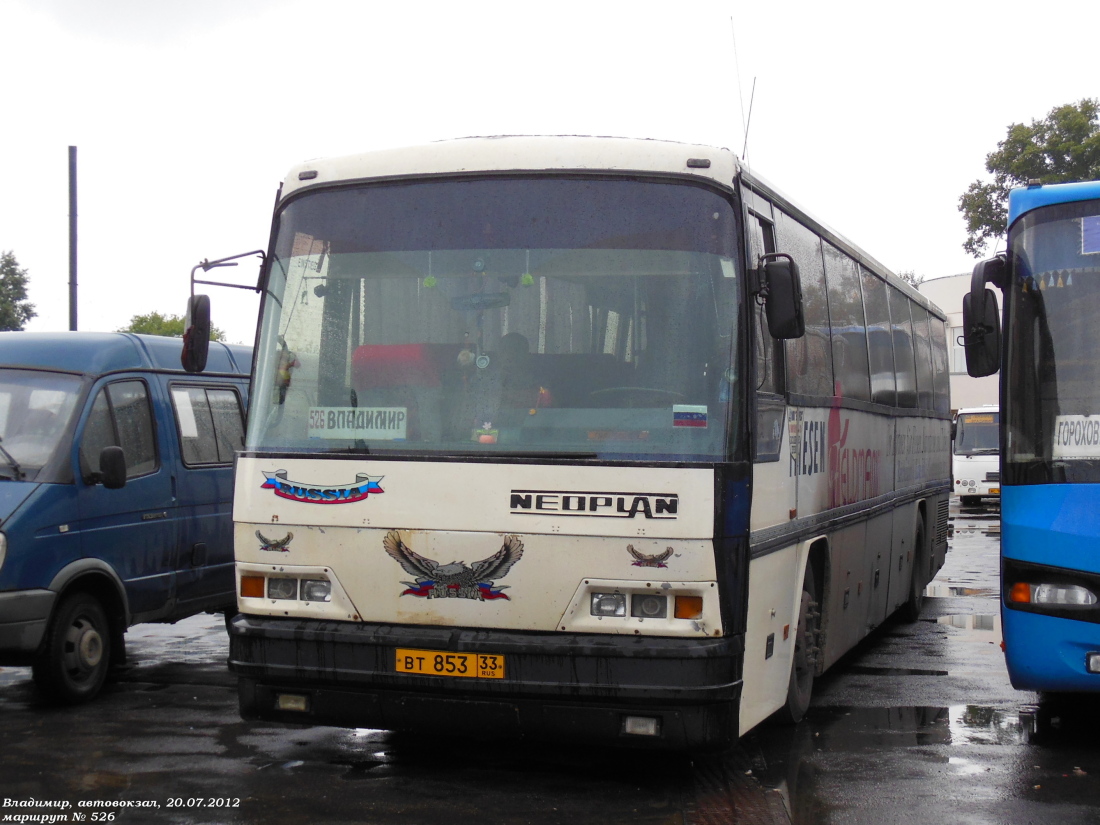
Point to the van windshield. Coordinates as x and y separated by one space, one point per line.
35 409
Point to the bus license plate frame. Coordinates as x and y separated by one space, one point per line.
449 664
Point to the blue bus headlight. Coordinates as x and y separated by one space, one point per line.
608 604
1067 594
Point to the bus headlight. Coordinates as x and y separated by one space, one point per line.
3 548
316 590
608 604
648 606
1071 595
282 588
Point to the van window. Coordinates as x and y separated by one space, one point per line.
121 416
211 426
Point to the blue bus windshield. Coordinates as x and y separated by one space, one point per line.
1052 414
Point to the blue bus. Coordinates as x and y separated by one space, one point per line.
1050 430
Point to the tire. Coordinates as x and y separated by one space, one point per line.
72 663
804 662
910 610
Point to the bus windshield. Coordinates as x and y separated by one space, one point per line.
977 434
35 408
536 315
1052 415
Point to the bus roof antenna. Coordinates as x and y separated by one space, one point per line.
748 122
737 70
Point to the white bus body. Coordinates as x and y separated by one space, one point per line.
658 533
976 454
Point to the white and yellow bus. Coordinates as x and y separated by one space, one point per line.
976 454
579 438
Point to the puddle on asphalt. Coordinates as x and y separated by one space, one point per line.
788 760
943 591
865 670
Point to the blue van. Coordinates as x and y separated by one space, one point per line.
116 492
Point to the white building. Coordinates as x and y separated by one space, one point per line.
947 293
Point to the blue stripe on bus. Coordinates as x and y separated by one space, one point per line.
1048 653
1052 524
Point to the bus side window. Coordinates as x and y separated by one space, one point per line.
940 366
809 358
848 325
879 338
768 351
902 330
924 357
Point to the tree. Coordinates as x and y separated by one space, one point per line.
912 278
1063 147
15 311
154 323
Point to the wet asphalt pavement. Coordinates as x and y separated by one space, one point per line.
919 724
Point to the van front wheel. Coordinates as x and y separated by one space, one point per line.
72 663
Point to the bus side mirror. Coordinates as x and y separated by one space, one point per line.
196 334
981 333
112 468
783 287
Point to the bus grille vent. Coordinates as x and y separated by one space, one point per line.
941 522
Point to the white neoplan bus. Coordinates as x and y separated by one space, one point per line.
584 438
976 454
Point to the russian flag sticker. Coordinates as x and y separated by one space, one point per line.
689 415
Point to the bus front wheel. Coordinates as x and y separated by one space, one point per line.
804 664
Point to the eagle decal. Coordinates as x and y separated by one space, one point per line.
456 580
278 546
644 560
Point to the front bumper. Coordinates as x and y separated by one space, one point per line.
24 615
557 686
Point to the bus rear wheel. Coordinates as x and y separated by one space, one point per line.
804 663
72 663
910 610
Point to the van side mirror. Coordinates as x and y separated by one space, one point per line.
112 468
981 333
196 334
783 290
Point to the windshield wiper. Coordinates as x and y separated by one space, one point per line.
19 474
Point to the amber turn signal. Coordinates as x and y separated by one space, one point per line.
1020 592
252 587
689 607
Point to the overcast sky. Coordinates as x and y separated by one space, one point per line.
873 116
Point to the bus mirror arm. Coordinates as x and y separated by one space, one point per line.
981 318
196 327
780 286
